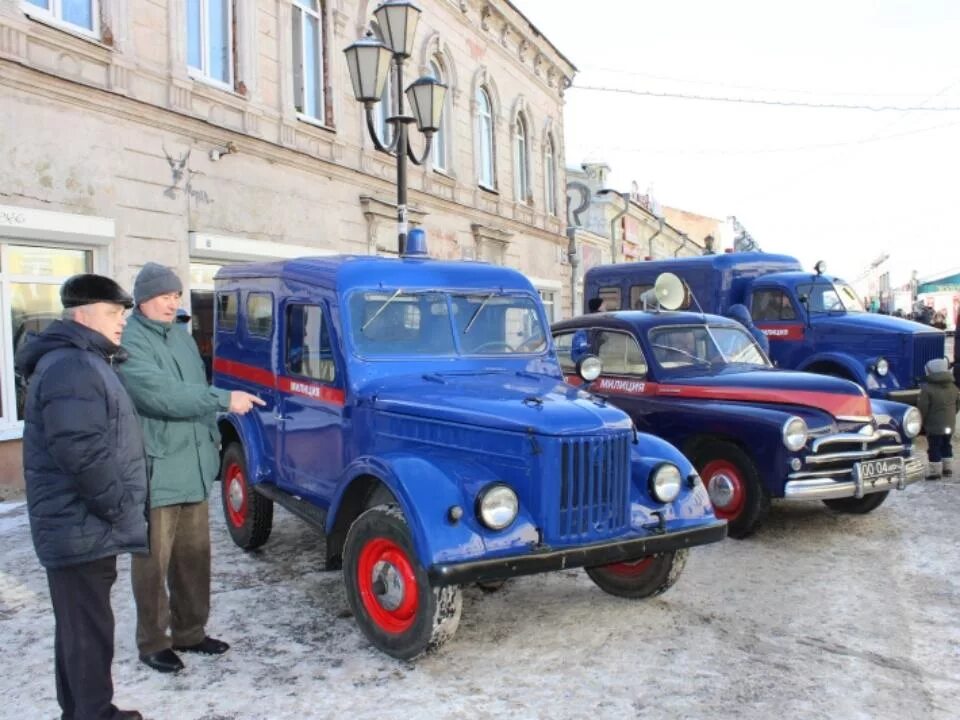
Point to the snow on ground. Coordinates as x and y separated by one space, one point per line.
818 615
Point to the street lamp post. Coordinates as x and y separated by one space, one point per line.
369 60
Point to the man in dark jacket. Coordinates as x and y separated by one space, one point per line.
86 478
178 409
939 403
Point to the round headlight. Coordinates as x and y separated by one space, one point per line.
665 483
497 506
912 422
589 368
795 434
883 367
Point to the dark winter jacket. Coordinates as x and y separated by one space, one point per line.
168 383
939 403
83 457
740 313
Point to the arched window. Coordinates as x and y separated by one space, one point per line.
486 158
550 175
440 151
521 164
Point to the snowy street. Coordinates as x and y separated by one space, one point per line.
818 615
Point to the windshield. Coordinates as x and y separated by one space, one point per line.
699 346
418 323
825 296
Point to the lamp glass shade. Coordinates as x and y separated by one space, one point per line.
398 24
369 63
426 97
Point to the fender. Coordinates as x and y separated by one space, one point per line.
853 366
249 431
425 491
692 505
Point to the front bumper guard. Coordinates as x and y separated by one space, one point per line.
548 560
827 488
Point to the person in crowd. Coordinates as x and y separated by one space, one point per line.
597 304
86 481
165 377
939 404
741 314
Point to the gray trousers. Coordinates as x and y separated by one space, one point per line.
171 585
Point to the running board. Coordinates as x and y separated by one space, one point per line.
303 509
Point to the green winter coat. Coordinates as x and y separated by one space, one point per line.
939 403
178 409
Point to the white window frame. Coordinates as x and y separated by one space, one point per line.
521 159
553 288
486 145
301 9
550 176
202 73
441 138
54 16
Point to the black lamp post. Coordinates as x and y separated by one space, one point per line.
369 61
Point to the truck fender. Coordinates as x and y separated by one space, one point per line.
426 490
854 368
692 504
247 431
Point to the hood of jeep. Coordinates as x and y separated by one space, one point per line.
513 401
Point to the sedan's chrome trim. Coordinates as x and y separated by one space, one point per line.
854 455
826 488
854 438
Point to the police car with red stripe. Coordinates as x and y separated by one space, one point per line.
752 431
417 415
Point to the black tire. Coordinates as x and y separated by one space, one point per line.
858 506
643 578
388 589
491 586
248 514
734 486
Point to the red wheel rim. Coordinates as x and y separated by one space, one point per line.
724 481
631 569
387 585
235 495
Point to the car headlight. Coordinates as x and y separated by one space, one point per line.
589 368
912 422
882 367
665 483
497 506
795 434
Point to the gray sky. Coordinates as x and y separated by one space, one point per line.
842 185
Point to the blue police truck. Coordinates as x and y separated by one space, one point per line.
814 322
417 415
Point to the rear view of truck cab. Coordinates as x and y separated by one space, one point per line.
416 415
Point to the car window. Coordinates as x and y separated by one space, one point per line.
610 297
391 323
825 296
737 345
564 347
771 305
494 324
683 346
636 293
620 354
308 349
259 316
227 305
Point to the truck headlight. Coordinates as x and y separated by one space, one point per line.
795 434
912 422
665 483
589 368
882 367
497 506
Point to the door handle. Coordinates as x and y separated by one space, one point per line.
277 415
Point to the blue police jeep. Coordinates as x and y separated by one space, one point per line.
416 414
753 432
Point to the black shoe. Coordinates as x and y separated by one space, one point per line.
207 646
165 661
127 715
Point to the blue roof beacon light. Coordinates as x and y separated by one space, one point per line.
416 245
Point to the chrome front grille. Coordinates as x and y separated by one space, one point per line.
834 455
594 473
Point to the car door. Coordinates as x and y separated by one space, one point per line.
311 388
774 313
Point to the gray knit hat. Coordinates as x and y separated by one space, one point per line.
937 365
153 280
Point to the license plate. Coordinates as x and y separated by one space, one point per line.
870 472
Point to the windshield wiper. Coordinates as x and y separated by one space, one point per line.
683 352
380 309
476 313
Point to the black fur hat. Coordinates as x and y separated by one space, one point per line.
88 288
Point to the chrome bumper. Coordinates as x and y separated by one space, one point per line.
827 488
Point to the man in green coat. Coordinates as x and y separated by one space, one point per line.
165 378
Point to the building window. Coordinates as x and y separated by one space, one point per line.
550 176
521 165
210 39
309 50
486 156
82 15
549 299
30 280
439 151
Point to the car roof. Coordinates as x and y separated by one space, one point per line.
343 272
641 320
